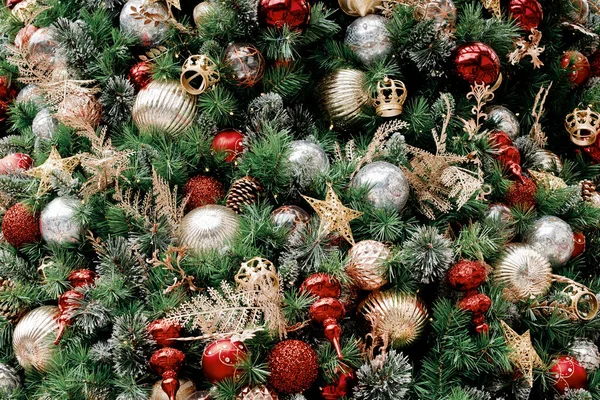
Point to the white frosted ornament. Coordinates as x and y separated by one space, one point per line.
388 187
58 222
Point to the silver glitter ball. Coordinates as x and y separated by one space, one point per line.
209 227
368 37
44 124
553 238
9 379
148 32
388 186
30 93
586 352
505 120
58 222
308 160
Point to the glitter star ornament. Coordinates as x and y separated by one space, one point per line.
522 354
53 165
333 214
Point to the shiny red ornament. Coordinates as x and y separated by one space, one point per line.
568 374
167 362
140 74
23 36
477 62
505 152
82 277
294 366
578 66
277 13
528 13
68 302
203 190
466 275
230 141
20 226
220 359
8 92
341 388
322 285
164 332
521 193
14 163
328 311
579 241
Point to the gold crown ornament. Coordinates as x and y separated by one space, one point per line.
391 95
198 74
583 126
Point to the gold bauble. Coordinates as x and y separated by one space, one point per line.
547 180
260 392
186 389
344 94
396 319
209 227
366 264
33 338
523 272
359 8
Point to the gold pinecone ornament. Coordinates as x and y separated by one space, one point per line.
10 312
243 192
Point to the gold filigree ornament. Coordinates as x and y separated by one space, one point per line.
583 126
54 166
521 352
391 95
531 48
257 273
198 74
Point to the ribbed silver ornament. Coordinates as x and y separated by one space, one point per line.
34 336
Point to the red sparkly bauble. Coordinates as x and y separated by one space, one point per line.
595 64
277 13
82 277
322 285
203 190
579 241
477 303
15 162
521 193
578 66
568 374
477 62
68 302
140 75
7 94
467 275
220 359
23 36
166 359
294 366
230 141
528 13
20 226
164 332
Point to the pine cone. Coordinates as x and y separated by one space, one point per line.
11 313
243 191
587 189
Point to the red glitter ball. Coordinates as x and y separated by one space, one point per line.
277 13
578 66
477 62
21 226
294 366
568 374
140 75
164 332
521 193
230 141
7 94
477 303
467 275
203 190
528 13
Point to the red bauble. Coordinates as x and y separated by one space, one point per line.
578 66
7 94
21 226
595 64
203 190
328 311
477 62
521 193
322 285
339 389
477 303
82 277
294 366
140 75
166 359
68 302
230 141
15 162
467 275
164 332
23 36
579 240
568 374
528 13
277 13
504 151
220 359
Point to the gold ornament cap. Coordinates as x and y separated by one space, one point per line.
391 95
198 74
583 126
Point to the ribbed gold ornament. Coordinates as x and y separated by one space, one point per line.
366 264
523 272
33 338
344 94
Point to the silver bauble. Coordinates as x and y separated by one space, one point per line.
33 338
368 37
505 120
344 94
201 395
388 187
307 160
186 389
165 106
499 212
58 222
9 379
30 93
292 218
43 48
553 238
44 124
586 352
209 227
148 32
545 160
201 11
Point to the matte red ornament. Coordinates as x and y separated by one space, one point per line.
294 366
82 277
328 311
521 193
277 13
140 74
579 240
467 275
477 62
230 141
8 92
528 13
164 332
220 359
578 66
477 303
20 226
14 163
322 285
340 388
568 374
203 190
68 302
23 36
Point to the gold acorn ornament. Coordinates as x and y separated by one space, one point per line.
583 126
344 95
198 74
391 95
359 8
366 264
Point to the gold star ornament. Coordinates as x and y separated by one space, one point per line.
333 214
522 354
53 166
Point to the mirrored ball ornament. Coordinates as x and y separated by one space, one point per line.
368 37
201 11
388 187
209 227
505 120
293 218
58 221
308 160
553 238
136 22
44 124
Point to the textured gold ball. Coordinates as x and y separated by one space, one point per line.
366 265
344 95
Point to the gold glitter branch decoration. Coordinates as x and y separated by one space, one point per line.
536 133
